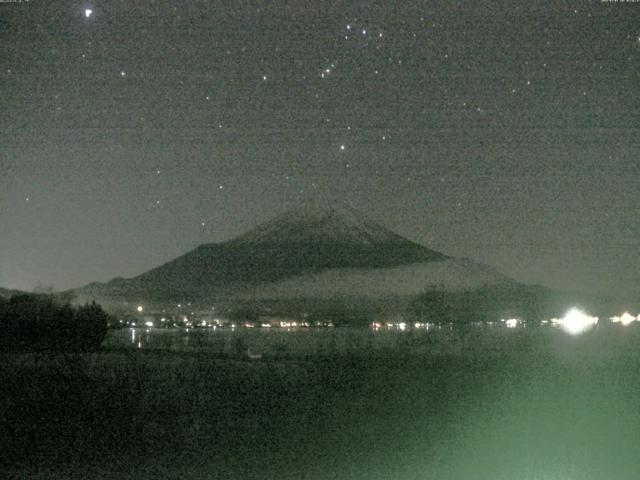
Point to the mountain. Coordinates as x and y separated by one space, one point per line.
313 250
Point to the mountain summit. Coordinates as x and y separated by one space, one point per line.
320 223
290 253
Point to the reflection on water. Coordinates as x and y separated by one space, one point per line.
378 337
256 342
475 403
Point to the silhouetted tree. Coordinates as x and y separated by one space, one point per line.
40 322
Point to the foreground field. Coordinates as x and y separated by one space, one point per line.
474 404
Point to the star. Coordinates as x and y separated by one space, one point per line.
342 147
122 73
88 12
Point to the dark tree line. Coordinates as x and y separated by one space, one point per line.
42 322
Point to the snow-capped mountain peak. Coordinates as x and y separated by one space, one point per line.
320 223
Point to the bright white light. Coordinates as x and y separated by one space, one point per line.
576 321
139 308
88 12
511 322
149 324
625 319
419 325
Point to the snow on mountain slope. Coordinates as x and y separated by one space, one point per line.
320 222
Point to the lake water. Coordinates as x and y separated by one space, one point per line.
341 403
305 342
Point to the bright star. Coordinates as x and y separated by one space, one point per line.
88 12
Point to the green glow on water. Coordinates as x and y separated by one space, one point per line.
502 404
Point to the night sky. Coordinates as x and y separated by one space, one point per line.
132 131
